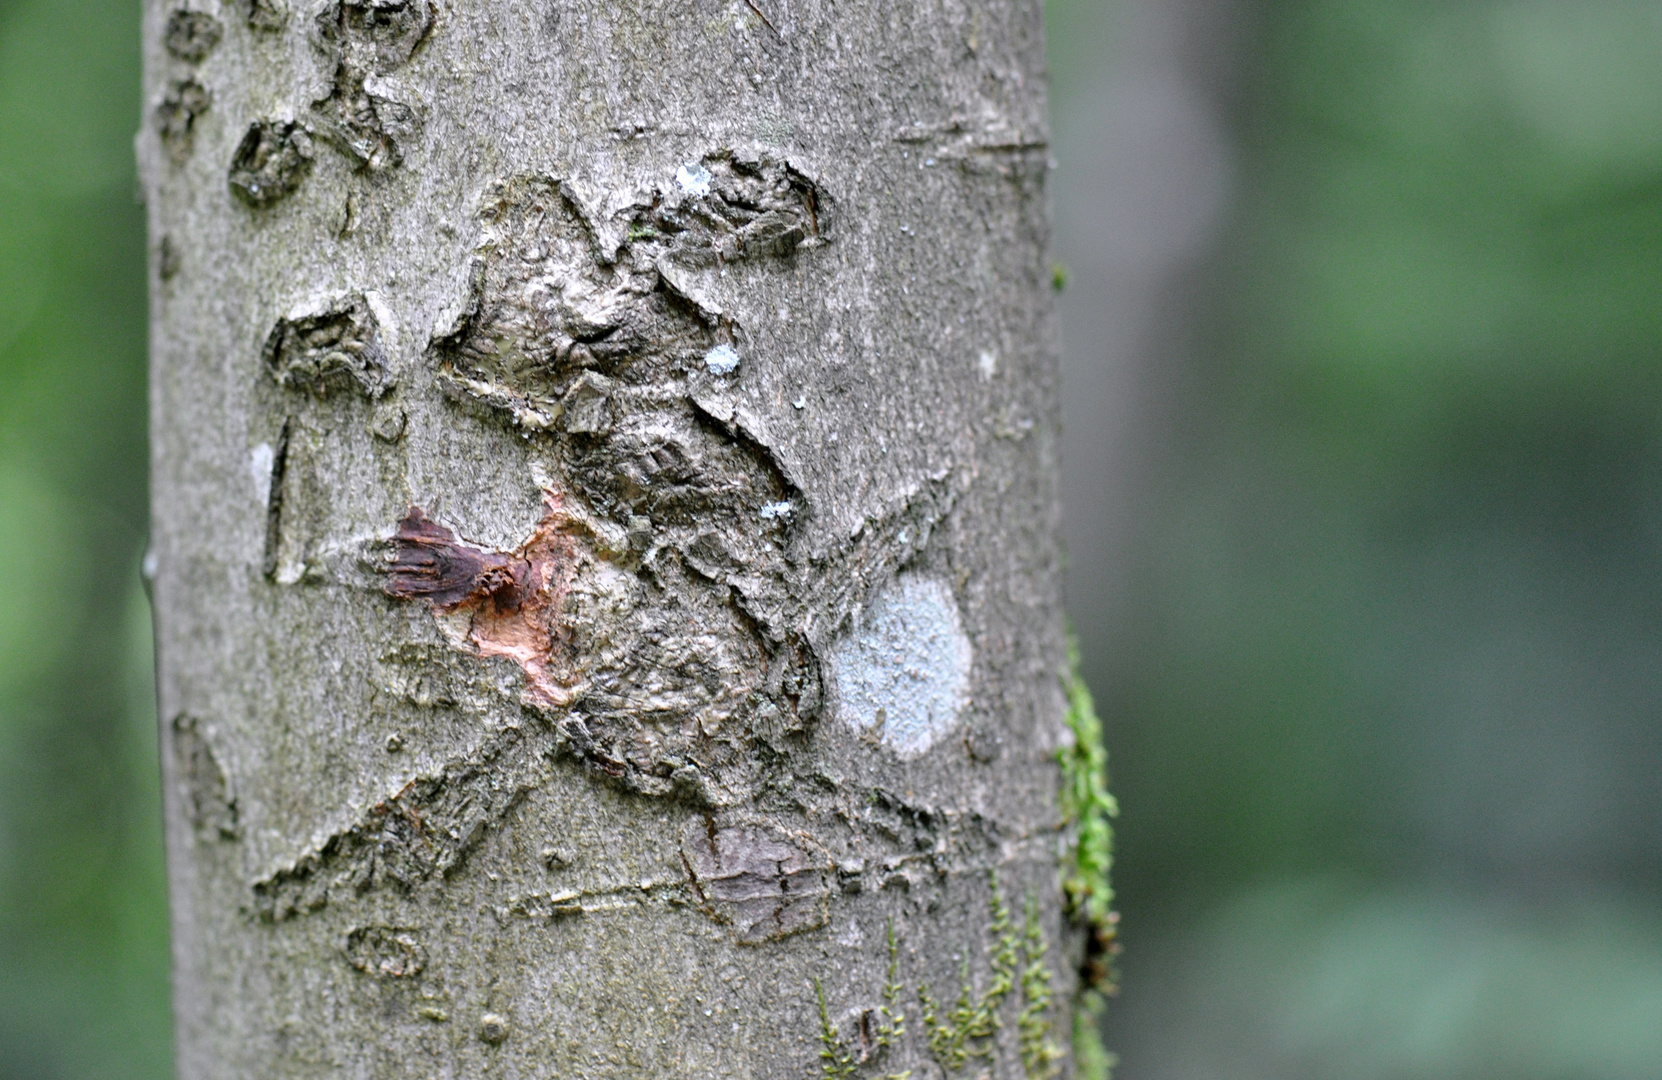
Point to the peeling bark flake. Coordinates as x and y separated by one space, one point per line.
762 882
430 564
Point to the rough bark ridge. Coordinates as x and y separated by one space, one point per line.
605 538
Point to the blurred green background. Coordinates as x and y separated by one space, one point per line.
1367 553
83 930
1377 628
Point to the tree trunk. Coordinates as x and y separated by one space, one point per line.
605 538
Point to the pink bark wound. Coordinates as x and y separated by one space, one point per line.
513 597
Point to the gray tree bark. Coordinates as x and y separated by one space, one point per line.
605 538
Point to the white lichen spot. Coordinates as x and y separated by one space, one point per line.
988 363
693 178
903 673
722 360
260 461
775 511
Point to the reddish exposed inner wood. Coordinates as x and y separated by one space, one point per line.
513 596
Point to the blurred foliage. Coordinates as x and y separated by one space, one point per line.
83 944
1087 811
1428 450
1399 579
1325 979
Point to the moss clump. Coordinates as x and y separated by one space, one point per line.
969 1026
1017 962
1091 1060
837 1061
891 1023
1087 813
1039 1053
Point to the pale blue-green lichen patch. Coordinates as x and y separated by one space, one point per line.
902 673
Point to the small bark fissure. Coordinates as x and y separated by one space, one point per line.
266 16
213 807
191 35
386 952
275 487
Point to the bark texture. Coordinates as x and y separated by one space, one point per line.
605 538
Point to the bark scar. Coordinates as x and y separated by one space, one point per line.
512 597
760 880
429 563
